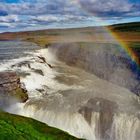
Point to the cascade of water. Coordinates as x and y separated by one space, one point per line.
123 126
75 101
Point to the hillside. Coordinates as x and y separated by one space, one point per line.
128 32
15 127
127 27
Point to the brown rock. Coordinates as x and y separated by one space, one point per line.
11 87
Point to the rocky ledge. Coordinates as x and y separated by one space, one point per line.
11 89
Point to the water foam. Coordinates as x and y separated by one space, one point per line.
124 126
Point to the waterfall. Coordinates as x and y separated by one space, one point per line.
123 126
105 60
71 99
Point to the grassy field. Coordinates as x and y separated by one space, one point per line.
129 27
13 127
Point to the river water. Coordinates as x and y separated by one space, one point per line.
69 98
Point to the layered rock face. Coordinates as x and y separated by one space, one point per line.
107 61
11 89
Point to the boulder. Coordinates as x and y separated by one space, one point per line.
11 88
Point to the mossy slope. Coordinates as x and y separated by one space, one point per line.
13 127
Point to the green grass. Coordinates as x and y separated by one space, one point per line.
135 45
13 127
127 27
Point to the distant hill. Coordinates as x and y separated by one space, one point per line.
128 32
125 27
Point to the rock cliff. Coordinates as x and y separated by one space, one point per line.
11 89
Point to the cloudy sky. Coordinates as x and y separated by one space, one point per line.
17 15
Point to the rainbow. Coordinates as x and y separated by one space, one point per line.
133 56
124 46
127 49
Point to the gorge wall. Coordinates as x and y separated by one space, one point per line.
105 60
11 89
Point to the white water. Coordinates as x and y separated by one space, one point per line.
65 91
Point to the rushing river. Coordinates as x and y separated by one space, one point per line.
67 97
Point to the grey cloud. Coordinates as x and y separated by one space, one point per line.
38 7
99 8
9 18
108 8
31 13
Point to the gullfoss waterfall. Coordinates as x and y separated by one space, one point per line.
74 100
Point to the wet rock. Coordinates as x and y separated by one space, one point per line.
29 66
21 64
38 71
50 65
11 88
106 110
47 45
23 74
43 60
40 90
